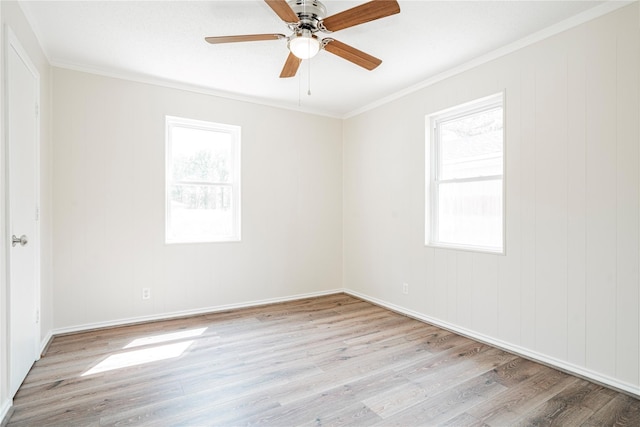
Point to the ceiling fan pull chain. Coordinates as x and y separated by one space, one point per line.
300 90
309 83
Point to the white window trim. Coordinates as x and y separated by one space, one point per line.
431 161
235 132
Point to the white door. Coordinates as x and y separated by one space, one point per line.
22 165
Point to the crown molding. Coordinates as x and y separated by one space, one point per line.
170 84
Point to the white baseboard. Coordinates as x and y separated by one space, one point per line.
45 343
562 365
5 407
183 313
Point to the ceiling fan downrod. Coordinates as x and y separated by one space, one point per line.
310 15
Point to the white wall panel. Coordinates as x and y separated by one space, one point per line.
551 201
576 197
628 212
567 289
484 294
466 280
438 284
451 280
509 277
527 196
601 185
431 302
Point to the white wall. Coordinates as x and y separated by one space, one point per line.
109 148
567 290
12 16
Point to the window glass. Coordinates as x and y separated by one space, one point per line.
203 181
201 155
198 211
471 145
470 213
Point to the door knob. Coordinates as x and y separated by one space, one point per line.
22 240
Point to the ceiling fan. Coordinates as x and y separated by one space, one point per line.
305 18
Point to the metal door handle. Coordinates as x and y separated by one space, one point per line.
22 240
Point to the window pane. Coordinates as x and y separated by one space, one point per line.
470 213
199 213
471 146
200 155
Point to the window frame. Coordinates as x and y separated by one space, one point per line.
432 176
234 184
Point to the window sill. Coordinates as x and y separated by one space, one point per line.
474 249
199 242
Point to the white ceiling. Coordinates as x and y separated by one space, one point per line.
163 40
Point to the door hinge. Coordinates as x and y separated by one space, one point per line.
37 213
37 316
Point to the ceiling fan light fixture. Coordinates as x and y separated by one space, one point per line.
304 45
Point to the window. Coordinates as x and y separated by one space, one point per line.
465 180
203 181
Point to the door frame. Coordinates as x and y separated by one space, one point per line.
13 43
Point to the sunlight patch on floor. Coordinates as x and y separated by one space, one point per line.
153 353
172 336
140 357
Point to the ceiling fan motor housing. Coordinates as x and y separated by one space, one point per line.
309 12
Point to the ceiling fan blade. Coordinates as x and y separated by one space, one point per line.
283 10
245 38
352 54
366 12
290 66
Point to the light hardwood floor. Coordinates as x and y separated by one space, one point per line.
326 361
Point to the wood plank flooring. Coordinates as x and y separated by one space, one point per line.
327 361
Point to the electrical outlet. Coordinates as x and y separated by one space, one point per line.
146 293
405 288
